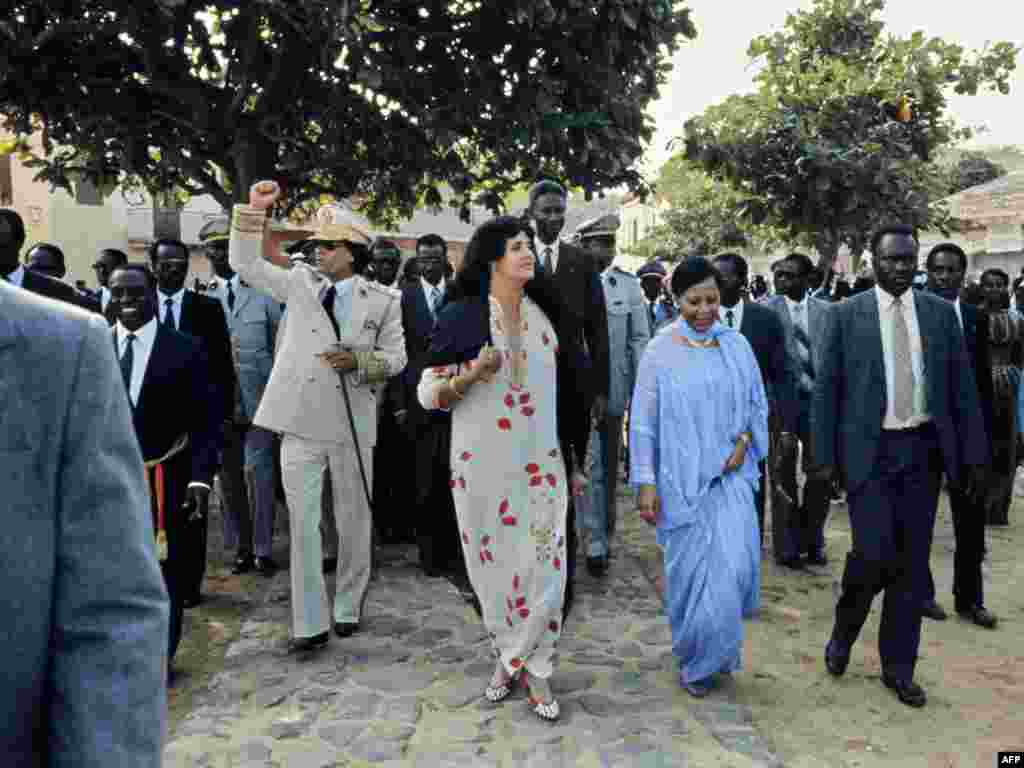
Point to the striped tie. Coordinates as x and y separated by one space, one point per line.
903 371
803 348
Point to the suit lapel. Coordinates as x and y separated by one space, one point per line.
187 310
872 350
926 329
426 319
242 297
358 308
150 376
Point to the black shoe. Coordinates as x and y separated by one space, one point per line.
330 564
266 566
817 558
192 601
793 563
909 692
243 563
835 660
305 644
345 628
597 566
979 616
932 610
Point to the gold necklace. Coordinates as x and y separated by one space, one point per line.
697 344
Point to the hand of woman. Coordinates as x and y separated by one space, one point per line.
739 454
648 504
263 194
487 363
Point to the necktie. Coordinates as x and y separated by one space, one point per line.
729 316
803 349
547 262
650 315
231 298
435 297
903 371
127 360
169 315
328 302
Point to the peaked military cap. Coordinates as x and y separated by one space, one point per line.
600 226
215 230
652 269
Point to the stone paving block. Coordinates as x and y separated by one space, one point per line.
342 733
402 709
572 680
355 704
459 693
398 678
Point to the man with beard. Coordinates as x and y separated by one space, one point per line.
895 403
946 265
578 283
176 423
628 334
200 316
763 329
247 476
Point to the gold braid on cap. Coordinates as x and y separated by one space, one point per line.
248 220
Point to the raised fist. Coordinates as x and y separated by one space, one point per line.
263 194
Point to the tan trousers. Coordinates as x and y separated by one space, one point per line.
303 465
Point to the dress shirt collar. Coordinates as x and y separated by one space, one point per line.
345 284
175 297
796 305
737 315
17 277
428 290
540 247
144 336
886 300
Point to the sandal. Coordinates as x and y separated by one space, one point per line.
497 693
546 709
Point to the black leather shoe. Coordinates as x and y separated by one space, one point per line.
306 644
932 610
346 628
793 563
243 563
597 566
817 558
266 566
979 616
192 601
909 692
835 660
330 564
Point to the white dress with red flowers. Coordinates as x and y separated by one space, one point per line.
511 496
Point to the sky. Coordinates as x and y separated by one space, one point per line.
715 65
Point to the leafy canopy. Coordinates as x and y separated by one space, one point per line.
387 100
841 130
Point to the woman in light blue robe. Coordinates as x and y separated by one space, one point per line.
698 428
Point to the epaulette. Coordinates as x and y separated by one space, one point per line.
387 290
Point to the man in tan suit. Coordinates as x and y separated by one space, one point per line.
343 335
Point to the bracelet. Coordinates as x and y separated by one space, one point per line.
455 391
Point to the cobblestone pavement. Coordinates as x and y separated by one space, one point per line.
407 689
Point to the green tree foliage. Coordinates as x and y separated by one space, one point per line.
972 169
842 128
388 100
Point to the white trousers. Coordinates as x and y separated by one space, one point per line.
302 472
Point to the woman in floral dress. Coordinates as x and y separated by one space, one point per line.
493 361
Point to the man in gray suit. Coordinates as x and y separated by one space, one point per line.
628 334
894 404
804 319
84 636
247 472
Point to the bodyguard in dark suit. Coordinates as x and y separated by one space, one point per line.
577 282
203 318
946 265
763 329
437 530
175 423
895 403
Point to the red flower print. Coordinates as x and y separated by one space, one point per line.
532 469
504 424
515 388
485 540
462 483
557 562
489 556
552 480
509 520
465 456
465 537
515 582
508 602
545 338
553 626
524 612
503 507
510 401
515 663
524 398
520 602
536 480
452 483
483 560
527 410
508 621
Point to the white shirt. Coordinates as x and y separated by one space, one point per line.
737 315
142 349
343 305
540 247
175 307
959 315
428 291
17 277
886 320
104 297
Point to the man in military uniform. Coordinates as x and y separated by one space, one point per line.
628 333
247 472
660 311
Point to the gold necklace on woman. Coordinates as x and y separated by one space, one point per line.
697 343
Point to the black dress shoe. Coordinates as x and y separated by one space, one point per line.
597 566
330 564
243 563
817 558
191 601
266 566
346 628
793 563
909 692
932 610
835 660
979 616
305 644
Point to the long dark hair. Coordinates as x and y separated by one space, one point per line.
487 246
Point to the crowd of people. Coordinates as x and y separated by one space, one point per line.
516 389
